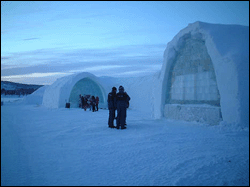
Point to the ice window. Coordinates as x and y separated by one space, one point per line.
192 78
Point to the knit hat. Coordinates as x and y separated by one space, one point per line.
114 89
121 88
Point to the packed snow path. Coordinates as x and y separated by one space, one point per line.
41 146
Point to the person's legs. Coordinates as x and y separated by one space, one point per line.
111 117
118 118
123 117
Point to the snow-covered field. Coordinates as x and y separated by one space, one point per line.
43 146
11 98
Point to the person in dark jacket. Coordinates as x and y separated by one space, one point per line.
85 102
93 103
82 101
122 99
97 102
112 107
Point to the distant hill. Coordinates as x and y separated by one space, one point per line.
12 88
7 85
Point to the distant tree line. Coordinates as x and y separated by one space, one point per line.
21 91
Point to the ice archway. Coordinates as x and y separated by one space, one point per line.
85 86
67 89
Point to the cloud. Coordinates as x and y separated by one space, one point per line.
46 78
35 78
123 60
4 58
98 68
57 56
26 39
76 15
122 52
35 75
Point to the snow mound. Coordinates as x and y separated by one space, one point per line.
36 97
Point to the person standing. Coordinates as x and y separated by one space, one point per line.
122 99
80 101
90 103
112 107
93 102
85 103
97 102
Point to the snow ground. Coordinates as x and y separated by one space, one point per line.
11 98
42 146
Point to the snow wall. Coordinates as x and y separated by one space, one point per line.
205 75
67 90
140 91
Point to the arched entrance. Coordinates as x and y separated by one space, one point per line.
85 86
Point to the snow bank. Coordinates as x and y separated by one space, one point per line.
36 98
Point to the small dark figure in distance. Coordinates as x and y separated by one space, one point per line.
93 103
97 102
85 103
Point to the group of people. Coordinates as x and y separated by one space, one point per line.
120 102
116 102
88 101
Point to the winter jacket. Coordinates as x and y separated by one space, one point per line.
97 100
93 101
112 100
122 99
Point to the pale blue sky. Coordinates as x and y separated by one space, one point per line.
41 41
